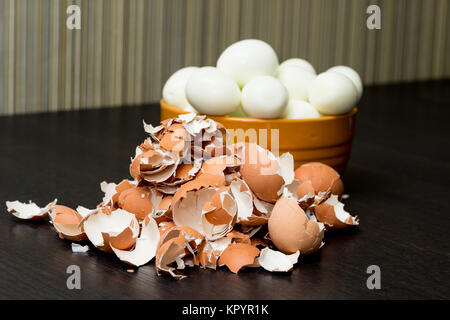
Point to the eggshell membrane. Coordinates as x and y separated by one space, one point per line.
333 215
291 230
137 201
238 255
260 173
321 177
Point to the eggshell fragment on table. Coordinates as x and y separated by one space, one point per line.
29 211
322 178
66 221
332 214
145 245
291 230
77 248
276 261
102 224
238 256
177 243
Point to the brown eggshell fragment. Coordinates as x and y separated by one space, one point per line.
332 214
175 244
66 222
28 211
218 210
321 177
291 230
305 189
237 256
259 170
137 201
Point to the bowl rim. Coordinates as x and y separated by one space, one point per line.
257 120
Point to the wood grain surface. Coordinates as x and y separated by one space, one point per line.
397 178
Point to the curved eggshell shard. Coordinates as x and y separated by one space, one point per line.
322 177
202 182
188 210
137 201
332 214
221 208
237 256
176 243
145 248
28 211
290 229
259 170
124 240
276 261
305 189
174 139
66 222
100 223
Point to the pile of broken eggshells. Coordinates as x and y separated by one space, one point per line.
197 201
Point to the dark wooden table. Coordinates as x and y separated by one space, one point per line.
398 180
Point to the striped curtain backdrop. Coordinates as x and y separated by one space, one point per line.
126 49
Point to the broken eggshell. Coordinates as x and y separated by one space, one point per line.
28 211
291 230
332 214
237 256
322 178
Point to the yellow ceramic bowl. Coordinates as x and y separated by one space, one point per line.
326 139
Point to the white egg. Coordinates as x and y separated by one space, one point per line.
296 80
352 74
332 93
246 59
264 97
174 89
302 63
297 109
212 92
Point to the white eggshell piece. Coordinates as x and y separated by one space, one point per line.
264 97
246 59
297 109
296 80
276 261
352 75
212 92
332 93
302 63
175 87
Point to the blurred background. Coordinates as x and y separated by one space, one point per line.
126 49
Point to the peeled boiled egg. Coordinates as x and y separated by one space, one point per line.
174 89
297 109
302 63
352 75
296 80
212 92
264 97
332 93
246 59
